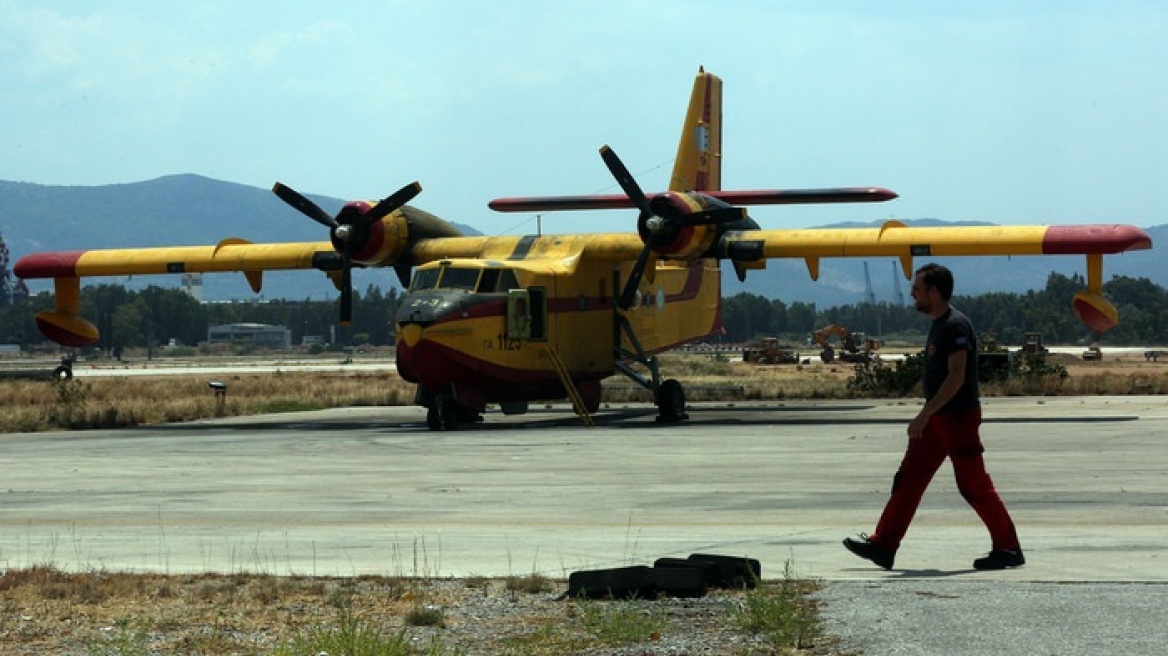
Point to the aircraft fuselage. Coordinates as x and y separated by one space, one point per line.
482 331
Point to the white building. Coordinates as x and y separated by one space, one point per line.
250 334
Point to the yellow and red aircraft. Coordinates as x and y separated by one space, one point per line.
510 320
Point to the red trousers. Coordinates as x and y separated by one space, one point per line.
954 436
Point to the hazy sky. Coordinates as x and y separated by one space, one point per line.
1005 111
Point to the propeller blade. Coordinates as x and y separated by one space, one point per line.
344 234
391 203
347 294
630 291
625 179
304 206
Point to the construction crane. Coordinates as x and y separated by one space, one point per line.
896 285
869 295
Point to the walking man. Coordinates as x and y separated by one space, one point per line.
947 426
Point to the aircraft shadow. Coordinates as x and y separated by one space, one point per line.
623 418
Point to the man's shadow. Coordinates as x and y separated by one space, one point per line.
930 573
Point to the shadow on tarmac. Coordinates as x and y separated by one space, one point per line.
632 417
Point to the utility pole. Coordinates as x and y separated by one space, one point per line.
869 295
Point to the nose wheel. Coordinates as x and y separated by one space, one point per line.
446 414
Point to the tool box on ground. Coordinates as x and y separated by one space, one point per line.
673 577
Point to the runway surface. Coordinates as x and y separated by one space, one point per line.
354 491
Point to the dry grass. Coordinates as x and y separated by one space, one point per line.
99 402
49 611
108 402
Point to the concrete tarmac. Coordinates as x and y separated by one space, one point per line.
371 490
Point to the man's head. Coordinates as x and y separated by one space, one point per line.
932 288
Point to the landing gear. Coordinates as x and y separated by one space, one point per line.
671 402
445 414
669 396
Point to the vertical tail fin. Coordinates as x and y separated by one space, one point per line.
698 166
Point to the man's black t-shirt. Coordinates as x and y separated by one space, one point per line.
950 333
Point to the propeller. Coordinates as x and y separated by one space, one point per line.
348 230
660 229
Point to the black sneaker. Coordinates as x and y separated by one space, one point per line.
864 548
1001 559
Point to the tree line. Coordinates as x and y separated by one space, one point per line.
155 315
1142 305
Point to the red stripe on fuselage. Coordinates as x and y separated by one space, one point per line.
436 365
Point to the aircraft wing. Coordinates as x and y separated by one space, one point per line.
748 249
227 255
894 239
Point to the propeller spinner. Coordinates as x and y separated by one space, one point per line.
348 230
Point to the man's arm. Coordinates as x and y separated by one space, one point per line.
949 388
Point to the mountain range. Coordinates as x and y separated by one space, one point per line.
190 209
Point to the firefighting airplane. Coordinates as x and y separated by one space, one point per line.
510 320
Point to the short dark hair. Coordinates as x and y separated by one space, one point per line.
935 275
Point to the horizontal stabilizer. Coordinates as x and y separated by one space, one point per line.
744 197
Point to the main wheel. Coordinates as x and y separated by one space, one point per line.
433 421
671 402
448 415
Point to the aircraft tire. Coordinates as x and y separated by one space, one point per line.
63 373
671 402
447 413
433 421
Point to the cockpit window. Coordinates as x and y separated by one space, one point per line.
454 278
507 281
424 279
491 280
497 280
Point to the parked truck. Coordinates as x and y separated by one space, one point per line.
768 350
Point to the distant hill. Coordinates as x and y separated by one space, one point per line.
174 210
190 209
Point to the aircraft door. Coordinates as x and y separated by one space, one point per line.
518 314
539 313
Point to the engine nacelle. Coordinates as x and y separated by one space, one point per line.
383 242
378 243
672 241
1096 312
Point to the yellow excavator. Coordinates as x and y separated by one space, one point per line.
854 346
